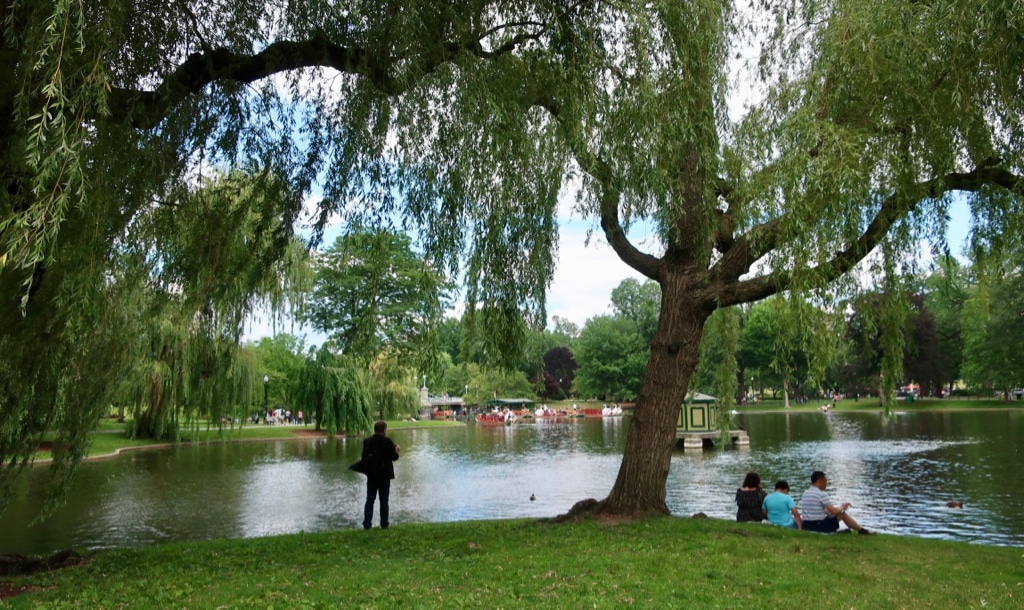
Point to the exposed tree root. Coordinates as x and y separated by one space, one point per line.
584 509
601 511
19 565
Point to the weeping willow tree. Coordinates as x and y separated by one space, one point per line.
219 251
793 341
334 388
186 378
719 346
463 120
159 324
393 385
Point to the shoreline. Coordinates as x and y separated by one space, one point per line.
294 434
287 435
875 410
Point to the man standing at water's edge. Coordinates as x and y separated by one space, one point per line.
379 455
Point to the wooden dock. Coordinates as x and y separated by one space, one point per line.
701 440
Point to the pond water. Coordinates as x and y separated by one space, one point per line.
898 473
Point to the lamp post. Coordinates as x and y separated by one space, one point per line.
266 387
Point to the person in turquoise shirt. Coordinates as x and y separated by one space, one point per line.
781 509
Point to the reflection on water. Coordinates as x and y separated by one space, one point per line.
898 473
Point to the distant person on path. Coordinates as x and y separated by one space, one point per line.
749 498
819 514
781 509
379 455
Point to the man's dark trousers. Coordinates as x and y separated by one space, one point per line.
375 486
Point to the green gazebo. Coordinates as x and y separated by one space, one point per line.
697 426
698 414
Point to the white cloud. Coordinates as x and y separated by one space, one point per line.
585 275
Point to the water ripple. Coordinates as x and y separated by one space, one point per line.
898 473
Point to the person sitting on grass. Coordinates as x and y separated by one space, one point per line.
749 498
781 509
819 514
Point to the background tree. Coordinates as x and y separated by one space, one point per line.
722 351
538 343
393 386
611 355
992 314
142 308
565 331
477 384
947 292
639 302
498 383
479 372
282 357
561 366
719 352
333 388
198 292
187 377
920 360
757 347
923 362
372 292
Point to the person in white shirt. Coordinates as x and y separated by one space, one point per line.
818 512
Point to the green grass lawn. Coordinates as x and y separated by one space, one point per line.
668 562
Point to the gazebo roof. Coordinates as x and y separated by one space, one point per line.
698 397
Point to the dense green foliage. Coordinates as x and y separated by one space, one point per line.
373 293
336 392
946 292
140 307
283 357
612 356
790 345
991 321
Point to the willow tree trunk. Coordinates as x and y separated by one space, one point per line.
151 423
640 487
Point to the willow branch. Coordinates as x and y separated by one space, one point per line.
596 166
893 208
145 109
644 263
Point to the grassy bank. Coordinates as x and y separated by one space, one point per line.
666 562
871 405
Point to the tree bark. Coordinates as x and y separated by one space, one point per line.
640 487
